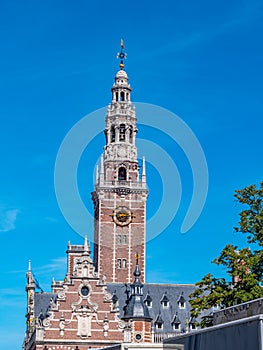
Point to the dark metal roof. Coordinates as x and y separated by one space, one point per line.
135 306
174 293
42 304
151 292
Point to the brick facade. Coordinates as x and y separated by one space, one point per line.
79 311
120 193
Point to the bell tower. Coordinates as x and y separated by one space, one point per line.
120 192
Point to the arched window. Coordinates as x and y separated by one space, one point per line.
112 134
130 134
124 263
122 96
119 263
122 174
122 132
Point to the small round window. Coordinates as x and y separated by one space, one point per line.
84 291
138 337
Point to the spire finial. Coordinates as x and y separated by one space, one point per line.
137 272
29 266
137 257
122 55
85 240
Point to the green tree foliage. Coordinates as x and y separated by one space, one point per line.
244 266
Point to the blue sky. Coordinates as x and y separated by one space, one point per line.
199 59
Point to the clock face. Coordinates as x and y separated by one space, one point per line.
122 152
122 216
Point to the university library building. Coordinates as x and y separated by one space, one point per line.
105 302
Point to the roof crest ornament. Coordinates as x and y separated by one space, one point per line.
122 55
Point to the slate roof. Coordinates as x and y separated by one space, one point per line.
42 304
155 293
172 292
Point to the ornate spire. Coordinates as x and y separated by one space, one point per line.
122 55
135 307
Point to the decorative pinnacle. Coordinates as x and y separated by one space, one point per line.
29 266
143 170
122 55
137 256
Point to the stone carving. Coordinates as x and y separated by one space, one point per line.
121 324
46 321
84 329
53 305
107 295
63 323
125 151
105 326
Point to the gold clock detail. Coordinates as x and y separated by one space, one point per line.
122 216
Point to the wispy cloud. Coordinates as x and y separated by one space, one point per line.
8 219
55 265
243 15
50 219
11 297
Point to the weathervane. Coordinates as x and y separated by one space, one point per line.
122 55
137 256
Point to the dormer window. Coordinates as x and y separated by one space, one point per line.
165 301
176 323
149 303
181 302
181 305
148 300
158 322
165 304
193 326
159 325
176 326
